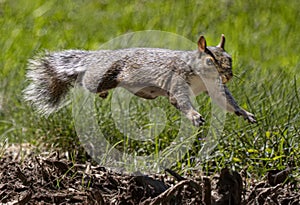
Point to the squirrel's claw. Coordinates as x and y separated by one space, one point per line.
251 118
196 119
247 115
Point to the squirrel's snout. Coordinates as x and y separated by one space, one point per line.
226 77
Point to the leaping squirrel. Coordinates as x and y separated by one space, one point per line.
146 72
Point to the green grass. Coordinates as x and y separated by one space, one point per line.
262 37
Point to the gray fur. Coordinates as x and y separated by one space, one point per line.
146 72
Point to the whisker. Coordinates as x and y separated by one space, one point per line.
238 77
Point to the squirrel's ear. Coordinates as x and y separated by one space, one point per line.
222 42
201 44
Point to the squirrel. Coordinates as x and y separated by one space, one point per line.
146 72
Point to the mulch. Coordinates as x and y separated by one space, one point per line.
52 178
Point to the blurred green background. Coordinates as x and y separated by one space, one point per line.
261 35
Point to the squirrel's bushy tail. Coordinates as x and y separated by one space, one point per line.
51 76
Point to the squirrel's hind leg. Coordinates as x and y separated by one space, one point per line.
103 94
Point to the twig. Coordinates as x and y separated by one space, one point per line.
166 196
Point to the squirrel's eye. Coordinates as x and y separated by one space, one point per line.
209 61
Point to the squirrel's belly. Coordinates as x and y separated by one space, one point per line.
147 92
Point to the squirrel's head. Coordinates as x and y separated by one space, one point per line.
216 58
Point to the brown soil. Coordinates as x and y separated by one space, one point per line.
53 179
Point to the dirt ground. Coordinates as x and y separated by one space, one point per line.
50 178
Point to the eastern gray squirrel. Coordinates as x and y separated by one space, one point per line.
146 72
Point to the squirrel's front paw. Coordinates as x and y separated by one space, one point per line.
196 118
247 116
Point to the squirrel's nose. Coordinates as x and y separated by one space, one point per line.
229 75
